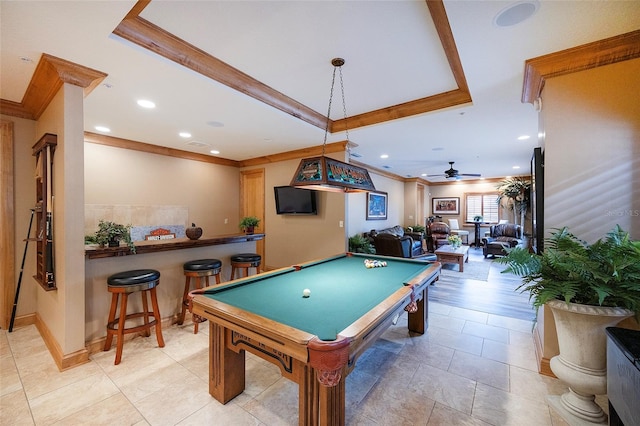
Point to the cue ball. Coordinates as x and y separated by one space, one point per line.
306 292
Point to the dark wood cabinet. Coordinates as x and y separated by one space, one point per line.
43 150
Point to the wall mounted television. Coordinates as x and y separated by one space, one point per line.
291 200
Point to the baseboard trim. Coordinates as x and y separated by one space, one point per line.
62 360
24 320
544 364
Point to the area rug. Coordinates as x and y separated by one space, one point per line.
472 270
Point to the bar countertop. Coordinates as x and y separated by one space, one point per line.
142 247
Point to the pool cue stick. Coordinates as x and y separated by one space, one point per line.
49 277
24 256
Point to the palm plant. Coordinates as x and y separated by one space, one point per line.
361 244
517 191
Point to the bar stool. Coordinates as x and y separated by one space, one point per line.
243 262
200 269
125 283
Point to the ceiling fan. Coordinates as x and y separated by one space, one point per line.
452 173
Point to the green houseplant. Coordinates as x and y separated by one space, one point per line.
249 223
587 288
606 273
110 234
361 244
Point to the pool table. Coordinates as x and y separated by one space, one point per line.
314 340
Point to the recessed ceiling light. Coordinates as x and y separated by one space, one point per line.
515 167
184 134
424 174
214 151
523 137
146 103
102 129
516 13
384 156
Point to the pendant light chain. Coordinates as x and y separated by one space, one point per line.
344 110
326 129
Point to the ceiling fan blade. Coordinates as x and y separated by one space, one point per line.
471 174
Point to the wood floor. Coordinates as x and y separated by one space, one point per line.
496 296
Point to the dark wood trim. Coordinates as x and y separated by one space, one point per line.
152 37
7 223
99 139
143 247
51 72
591 55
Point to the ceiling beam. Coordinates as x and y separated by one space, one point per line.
47 79
152 37
591 55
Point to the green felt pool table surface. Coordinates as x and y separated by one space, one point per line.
342 290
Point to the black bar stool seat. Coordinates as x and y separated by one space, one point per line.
199 269
125 283
244 261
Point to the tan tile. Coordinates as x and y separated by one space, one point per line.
516 324
502 408
10 380
174 403
216 413
442 415
277 405
468 314
115 410
490 332
148 382
439 308
428 352
459 341
446 322
532 385
49 378
387 409
15 409
449 389
520 356
482 370
62 402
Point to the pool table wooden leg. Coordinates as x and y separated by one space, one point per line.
226 367
418 321
321 405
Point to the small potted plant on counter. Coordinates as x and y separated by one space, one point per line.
110 234
249 223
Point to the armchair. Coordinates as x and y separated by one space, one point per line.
438 233
396 242
502 236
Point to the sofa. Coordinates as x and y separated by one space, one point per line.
501 237
397 242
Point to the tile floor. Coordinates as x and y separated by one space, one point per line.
470 368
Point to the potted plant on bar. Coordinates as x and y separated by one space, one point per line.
588 288
111 233
249 223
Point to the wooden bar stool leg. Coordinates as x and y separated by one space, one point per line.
199 285
112 317
145 313
156 315
121 322
183 312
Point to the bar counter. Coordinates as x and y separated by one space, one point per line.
167 257
142 247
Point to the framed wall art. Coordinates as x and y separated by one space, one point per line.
376 205
446 205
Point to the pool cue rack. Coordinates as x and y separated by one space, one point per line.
43 150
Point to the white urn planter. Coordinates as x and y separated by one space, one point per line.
582 362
